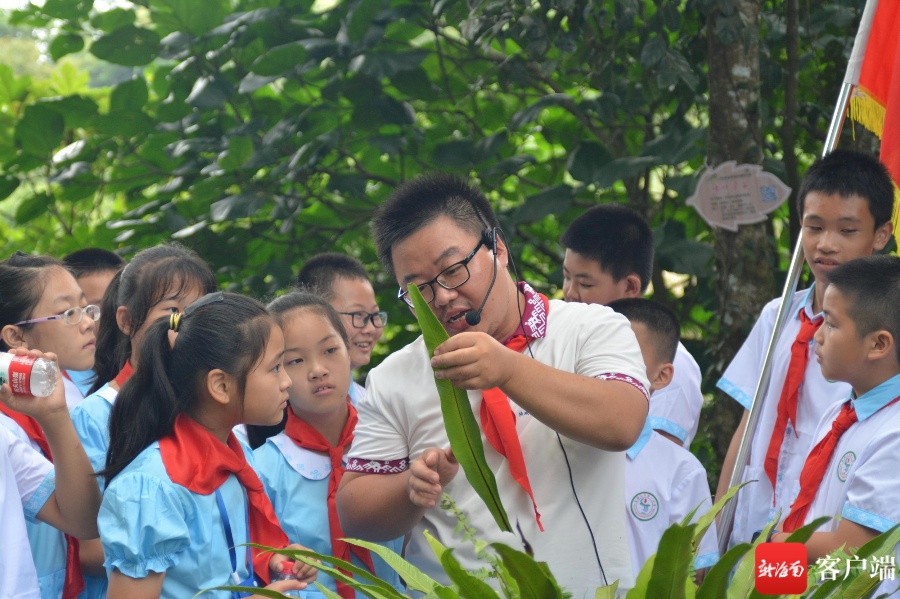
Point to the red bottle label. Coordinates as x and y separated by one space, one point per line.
20 375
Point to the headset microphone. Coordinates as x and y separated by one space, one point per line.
473 317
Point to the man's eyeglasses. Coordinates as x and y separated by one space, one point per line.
361 319
70 316
450 278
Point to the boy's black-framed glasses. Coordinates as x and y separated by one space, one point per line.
361 319
450 278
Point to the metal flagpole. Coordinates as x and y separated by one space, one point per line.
726 517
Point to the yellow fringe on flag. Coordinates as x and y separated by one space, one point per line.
867 111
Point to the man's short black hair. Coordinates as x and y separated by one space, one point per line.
617 237
660 321
90 260
419 201
319 273
849 173
871 286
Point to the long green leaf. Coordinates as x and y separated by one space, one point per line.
415 579
329 594
673 564
705 521
715 583
607 592
534 581
459 420
469 586
744 577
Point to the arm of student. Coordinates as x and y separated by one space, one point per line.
74 504
90 554
125 587
730 458
381 507
607 414
848 534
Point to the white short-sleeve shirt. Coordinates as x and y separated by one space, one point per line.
675 408
28 482
663 484
400 417
758 502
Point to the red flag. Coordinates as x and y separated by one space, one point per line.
875 103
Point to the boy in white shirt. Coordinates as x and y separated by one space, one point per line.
845 203
851 472
609 256
663 484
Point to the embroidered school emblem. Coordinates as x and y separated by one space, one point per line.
844 464
644 506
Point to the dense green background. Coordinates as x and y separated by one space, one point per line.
260 132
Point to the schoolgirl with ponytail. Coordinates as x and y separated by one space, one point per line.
158 281
302 466
181 496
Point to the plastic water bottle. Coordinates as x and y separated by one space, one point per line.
287 574
28 376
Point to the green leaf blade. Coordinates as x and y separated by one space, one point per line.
463 430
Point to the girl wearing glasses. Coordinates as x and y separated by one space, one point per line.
302 466
43 308
158 282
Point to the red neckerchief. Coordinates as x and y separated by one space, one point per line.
124 374
497 418
305 436
195 459
817 463
790 391
74 582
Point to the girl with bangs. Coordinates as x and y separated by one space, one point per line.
182 498
158 282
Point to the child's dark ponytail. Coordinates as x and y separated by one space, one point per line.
222 331
153 274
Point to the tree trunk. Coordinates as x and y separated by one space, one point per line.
744 260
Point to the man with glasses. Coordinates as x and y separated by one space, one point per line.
343 282
561 389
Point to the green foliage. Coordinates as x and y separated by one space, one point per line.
667 575
260 132
462 428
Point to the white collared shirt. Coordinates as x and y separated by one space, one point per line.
758 503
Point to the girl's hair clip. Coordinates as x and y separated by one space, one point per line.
175 321
209 298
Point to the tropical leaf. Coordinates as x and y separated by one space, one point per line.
459 420
469 586
715 583
533 578
413 577
705 521
674 563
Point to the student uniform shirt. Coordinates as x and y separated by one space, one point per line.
400 417
296 481
663 484
28 481
150 524
675 408
74 396
758 502
356 392
48 545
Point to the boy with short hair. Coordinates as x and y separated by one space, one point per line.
93 269
851 472
609 256
343 282
663 484
845 205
